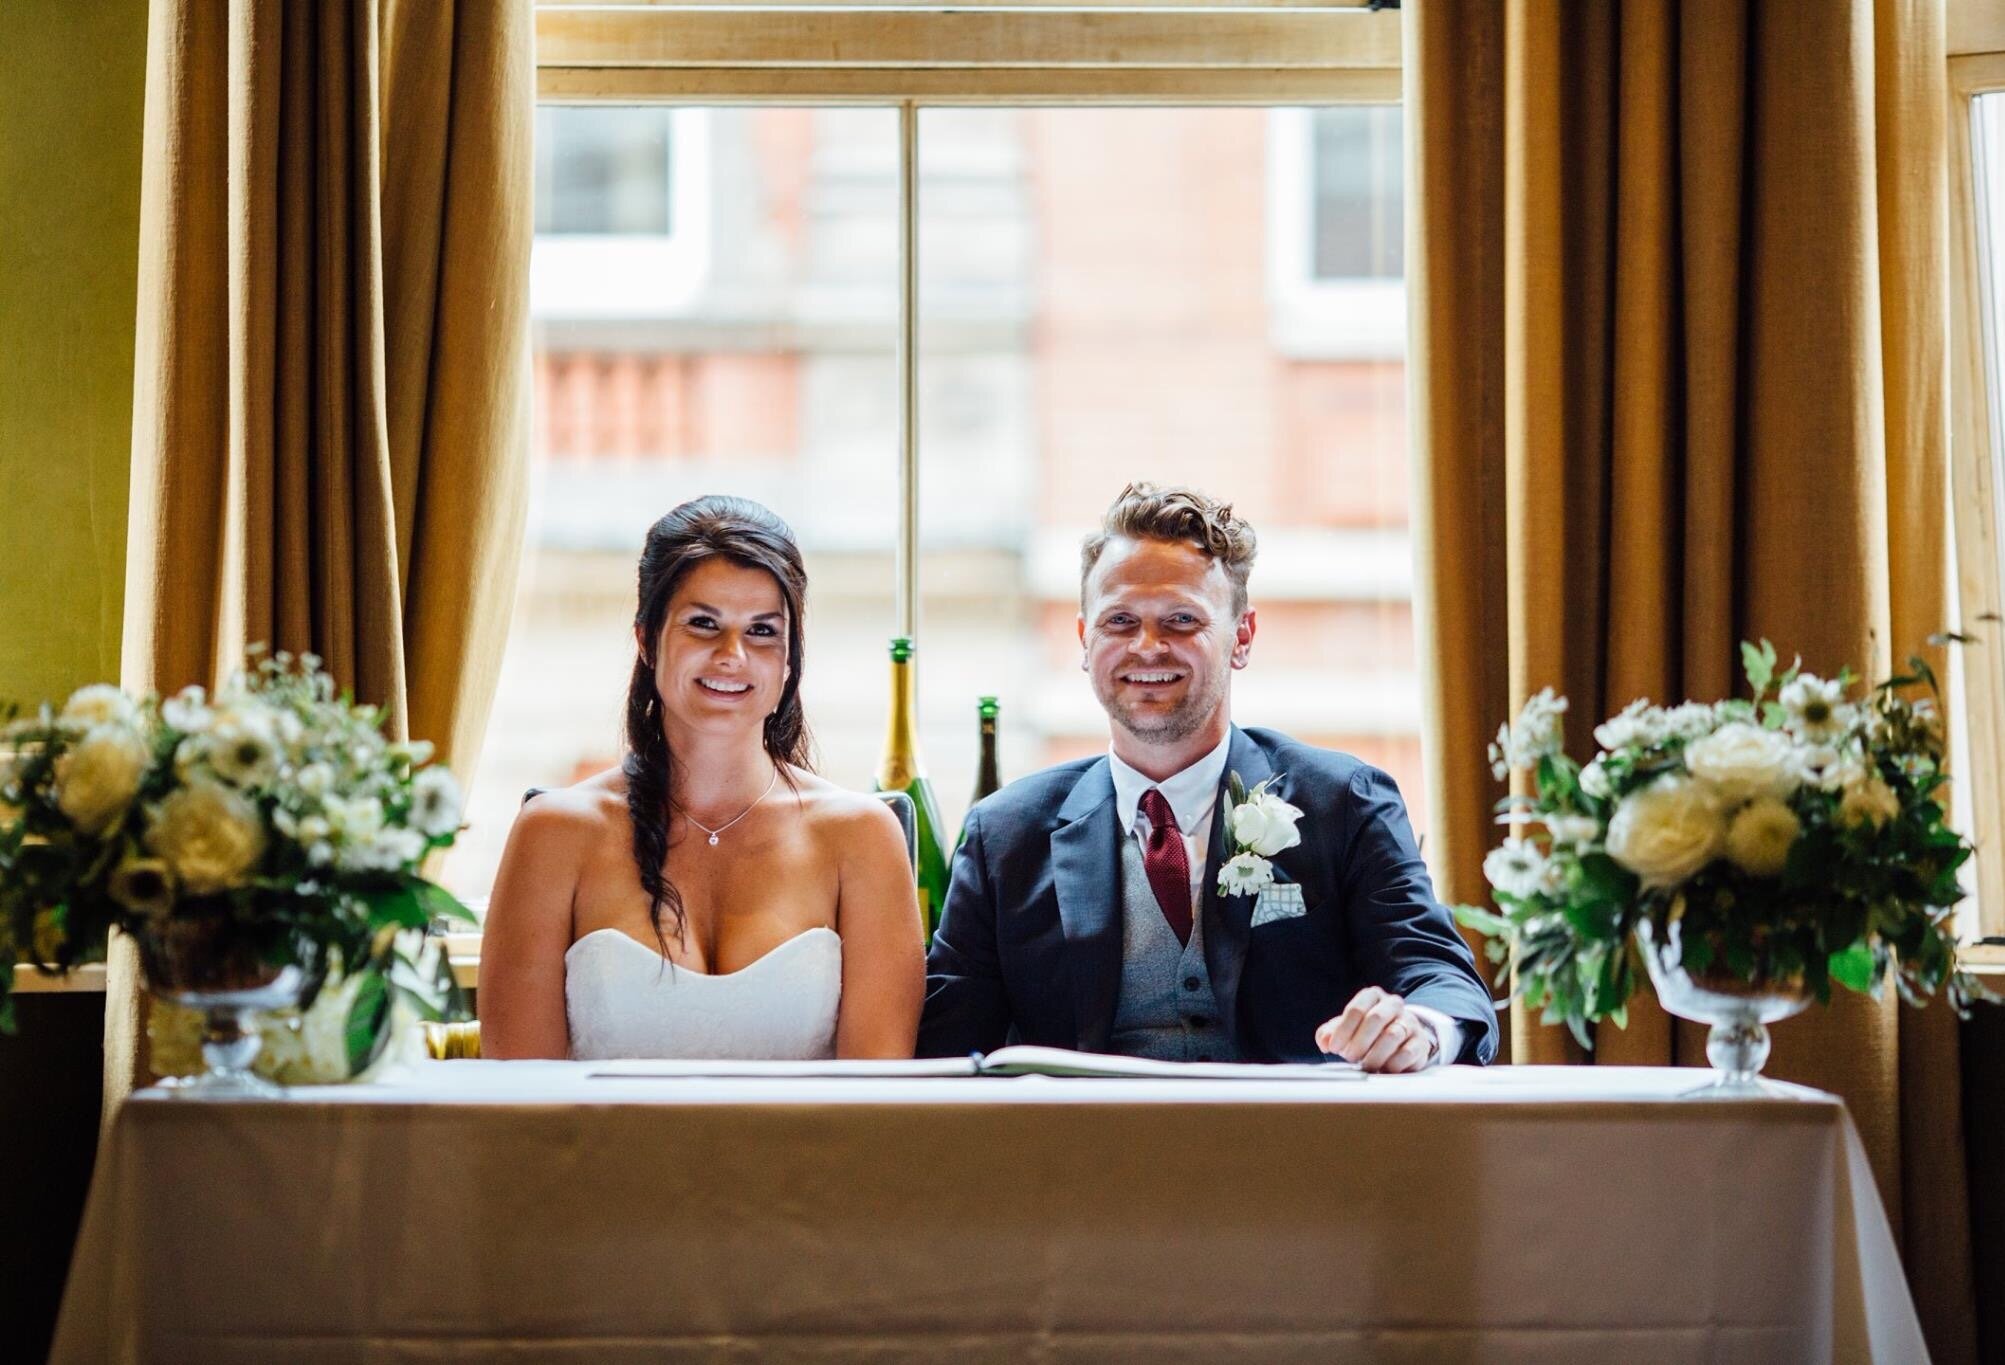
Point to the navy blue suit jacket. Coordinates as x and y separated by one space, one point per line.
1029 943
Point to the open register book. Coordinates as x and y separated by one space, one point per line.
1021 1060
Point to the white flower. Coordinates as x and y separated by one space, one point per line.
1516 868
1823 766
1537 733
314 829
1573 829
320 854
209 834
97 779
1667 831
386 850
1244 875
1690 720
435 806
1741 762
315 779
1761 835
1814 709
98 704
354 819
144 886
1594 779
188 756
1639 725
1263 823
1868 800
187 711
243 748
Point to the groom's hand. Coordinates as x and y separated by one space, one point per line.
1380 1032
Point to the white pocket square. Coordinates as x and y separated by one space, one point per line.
1282 900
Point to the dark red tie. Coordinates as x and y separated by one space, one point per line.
1166 864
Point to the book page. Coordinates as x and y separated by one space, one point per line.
1027 1060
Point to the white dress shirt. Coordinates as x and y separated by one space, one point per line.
1193 796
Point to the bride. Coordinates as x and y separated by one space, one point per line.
710 897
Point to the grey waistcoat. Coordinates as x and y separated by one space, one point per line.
1166 1009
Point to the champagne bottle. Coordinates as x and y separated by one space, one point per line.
900 770
986 777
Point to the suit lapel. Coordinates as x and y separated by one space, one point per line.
1085 870
1228 920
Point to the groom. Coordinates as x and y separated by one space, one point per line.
1085 910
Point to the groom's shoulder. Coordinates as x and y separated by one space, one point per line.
1310 765
1029 802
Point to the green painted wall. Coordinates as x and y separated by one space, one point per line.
72 93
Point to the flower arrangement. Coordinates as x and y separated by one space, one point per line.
1261 825
1797 835
276 810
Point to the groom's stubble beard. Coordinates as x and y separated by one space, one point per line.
1188 717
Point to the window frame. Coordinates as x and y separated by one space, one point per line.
1974 361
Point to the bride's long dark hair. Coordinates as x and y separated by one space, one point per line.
711 527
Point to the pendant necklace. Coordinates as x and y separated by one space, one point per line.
713 833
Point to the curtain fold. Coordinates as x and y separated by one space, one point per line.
331 407
1678 381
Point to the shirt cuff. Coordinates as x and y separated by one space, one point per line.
1447 1034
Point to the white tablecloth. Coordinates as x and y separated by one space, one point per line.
491 1210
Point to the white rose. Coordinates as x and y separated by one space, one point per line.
1265 824
1516 868
1741 762
1761 835
98 704
435 807
97 779
1667 831
209 834
1244 875
1594 779
1868 801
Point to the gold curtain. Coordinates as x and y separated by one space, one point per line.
1678 381
331 408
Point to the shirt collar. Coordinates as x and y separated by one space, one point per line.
1191 793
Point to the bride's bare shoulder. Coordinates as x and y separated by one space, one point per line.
848 818
586 810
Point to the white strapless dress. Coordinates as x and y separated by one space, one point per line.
624 999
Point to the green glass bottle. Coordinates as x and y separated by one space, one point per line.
900 770
987 776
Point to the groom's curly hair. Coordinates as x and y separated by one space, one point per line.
1145 512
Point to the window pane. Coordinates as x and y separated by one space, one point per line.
1080 330
603 170
1359 191
768 372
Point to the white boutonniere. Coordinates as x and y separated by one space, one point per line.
1260 825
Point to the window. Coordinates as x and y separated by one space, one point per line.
1075 330
1337 246
623 204
1977 394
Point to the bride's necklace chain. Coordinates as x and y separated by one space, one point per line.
713 833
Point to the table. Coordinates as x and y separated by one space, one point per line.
533 1210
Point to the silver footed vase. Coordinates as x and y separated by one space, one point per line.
1739 1012
206 963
